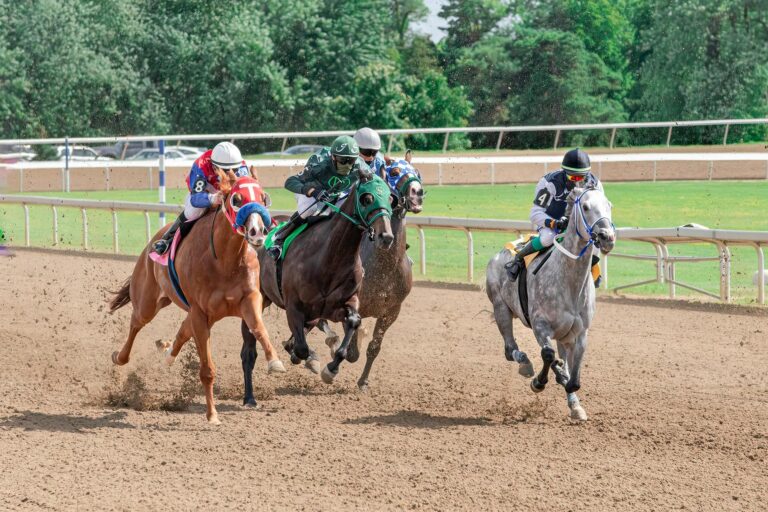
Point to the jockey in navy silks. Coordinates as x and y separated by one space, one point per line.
203 185
548 210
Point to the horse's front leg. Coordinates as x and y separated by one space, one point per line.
575 356
543 333
250 311
201 330
299 349
351 323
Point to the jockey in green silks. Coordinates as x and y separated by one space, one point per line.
328 174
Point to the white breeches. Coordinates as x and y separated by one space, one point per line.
192 212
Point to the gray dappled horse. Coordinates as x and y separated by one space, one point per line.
561 295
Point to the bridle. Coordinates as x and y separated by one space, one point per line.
589 234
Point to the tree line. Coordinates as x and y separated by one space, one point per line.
119 67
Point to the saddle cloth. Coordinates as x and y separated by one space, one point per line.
514 246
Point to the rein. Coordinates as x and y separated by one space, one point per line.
213 247
590 230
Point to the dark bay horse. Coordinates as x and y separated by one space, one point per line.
219 274
322 271
561 296
388 276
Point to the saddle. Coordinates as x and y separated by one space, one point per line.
522 277
169 258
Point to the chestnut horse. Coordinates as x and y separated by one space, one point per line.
322 271
218 272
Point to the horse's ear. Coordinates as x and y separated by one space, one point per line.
254 173
408 155
365 176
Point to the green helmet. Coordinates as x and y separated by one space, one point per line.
344 146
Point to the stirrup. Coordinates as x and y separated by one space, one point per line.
513 269
161 246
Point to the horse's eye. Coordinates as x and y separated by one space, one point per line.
366 199
395 171
237 200
586 207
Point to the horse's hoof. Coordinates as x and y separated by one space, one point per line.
116 360
295 359
536 387
333 343
327 375
162 346
578 414
362 386
275 366
213 419
249 402
526 370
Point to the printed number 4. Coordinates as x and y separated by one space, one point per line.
199 186
543 199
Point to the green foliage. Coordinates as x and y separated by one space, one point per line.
107 67
715 68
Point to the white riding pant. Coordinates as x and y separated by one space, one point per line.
308 206
546 236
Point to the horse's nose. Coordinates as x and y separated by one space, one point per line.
385 240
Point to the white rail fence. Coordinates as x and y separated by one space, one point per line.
394 133
659 239
483 166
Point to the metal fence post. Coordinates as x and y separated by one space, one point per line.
725 137
669 136
498 143
66 163
55 226
422 252
613 137
470 256
161 172
445 142
557 139
26 225
115 242
85 228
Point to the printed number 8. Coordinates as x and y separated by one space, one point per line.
199 186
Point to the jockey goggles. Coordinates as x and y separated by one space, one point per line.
345 160
575 177
368 152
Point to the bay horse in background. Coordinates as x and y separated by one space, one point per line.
388 275
218 273
561 295
320 275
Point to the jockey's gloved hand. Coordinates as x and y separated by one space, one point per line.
559 224
321 195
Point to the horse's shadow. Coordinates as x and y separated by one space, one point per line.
40 421
417 419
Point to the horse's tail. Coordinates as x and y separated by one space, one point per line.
122 296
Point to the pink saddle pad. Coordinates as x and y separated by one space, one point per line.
162 259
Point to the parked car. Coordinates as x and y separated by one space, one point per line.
16 152
302 149
79 153
189 151
154 154
122 149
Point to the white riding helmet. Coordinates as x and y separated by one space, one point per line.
226 156
367 139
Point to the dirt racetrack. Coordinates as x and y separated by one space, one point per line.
677 396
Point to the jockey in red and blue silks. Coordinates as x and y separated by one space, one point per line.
203 185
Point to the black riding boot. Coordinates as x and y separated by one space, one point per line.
277 244
516 265
163 243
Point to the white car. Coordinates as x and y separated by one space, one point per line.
189 151
79 153
16 152
154 154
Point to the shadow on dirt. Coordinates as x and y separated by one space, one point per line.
29 420
418 419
